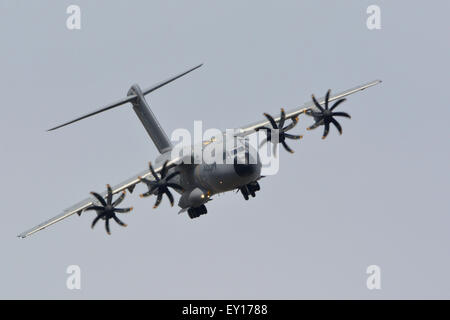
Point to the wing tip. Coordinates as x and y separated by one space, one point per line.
378 81
370 84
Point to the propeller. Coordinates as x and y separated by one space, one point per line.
160 184
281 130
326 115
107 209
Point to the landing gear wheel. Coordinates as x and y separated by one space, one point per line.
250 189
197 212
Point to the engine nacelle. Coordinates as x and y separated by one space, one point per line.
194 198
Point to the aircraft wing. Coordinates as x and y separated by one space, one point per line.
248 129
78 208
133 181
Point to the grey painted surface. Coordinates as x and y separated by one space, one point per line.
376 195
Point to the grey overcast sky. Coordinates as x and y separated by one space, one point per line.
378 194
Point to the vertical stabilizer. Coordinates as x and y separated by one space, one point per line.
149 121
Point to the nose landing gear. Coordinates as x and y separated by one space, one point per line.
250 189
197 212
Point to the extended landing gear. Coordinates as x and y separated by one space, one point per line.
250 189
197 212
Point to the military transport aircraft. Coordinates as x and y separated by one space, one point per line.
198 182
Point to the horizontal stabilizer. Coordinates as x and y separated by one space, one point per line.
129 98
110 106
163 83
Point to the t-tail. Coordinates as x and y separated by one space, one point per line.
136 96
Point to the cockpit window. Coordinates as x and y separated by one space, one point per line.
236 151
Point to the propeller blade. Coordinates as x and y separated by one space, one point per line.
293 137
119 199
164 169
95 221
292 125
317 104
123 210
119 222
315 125
170 196
341 114
264 128
337 125
327 99
108 231
99 198
337 103
146 194
155 175
175 186
326 130
173 174
269 136
145 180
287 147
271 120
110 194
158 200
282 119
96 208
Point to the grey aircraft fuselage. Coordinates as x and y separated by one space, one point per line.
237 167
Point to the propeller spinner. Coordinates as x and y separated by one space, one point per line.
107 209
160 184
325 116
281 130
